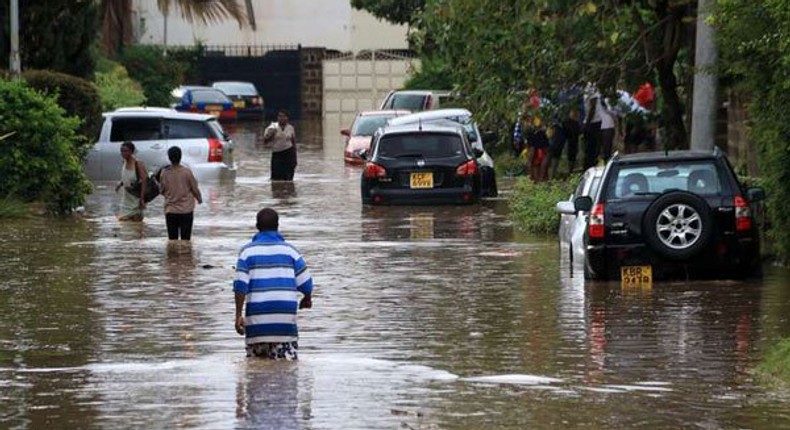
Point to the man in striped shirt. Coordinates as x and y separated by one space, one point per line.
270 274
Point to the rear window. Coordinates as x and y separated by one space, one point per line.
427 145
135 129
209 96
237 89
412 102
368 124
700 177
186 129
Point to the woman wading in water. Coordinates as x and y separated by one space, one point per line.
133 170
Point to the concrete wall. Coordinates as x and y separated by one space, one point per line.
332 24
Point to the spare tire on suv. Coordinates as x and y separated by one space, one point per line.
678 225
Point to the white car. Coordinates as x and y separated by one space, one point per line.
206 148
415 100
464 118
572 223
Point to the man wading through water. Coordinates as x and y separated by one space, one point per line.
270 274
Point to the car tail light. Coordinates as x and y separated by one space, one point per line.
257 101
743 215
596 226
193 108
467 169
214 150
373 170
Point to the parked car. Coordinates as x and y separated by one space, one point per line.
672 214
573 223
358 136
420 163
463 117
203 100
205 146
415 100
245 97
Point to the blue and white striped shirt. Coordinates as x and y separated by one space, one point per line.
271 273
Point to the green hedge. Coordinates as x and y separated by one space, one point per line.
158 73
116 88
38 155
532 203
77 96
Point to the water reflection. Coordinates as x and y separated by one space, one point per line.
272 395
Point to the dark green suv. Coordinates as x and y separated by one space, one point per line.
679 214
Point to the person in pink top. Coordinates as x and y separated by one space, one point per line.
180 190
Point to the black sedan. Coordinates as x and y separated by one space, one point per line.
420 164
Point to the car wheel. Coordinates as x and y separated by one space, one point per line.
678 225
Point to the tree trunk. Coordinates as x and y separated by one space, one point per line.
672 112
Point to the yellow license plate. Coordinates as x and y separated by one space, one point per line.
422 180
636 276
213 108
239 104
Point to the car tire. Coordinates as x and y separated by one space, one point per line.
678 225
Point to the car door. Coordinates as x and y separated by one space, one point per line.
146 135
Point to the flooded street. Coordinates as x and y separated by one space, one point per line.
423 318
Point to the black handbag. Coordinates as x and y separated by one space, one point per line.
151 188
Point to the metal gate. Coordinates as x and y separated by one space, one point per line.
275 70
353 83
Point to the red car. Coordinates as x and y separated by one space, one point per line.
365 124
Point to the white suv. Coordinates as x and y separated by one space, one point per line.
205 146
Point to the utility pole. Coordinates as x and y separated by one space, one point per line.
13 61
704 106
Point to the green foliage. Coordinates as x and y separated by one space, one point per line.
77 96
395 11
116 88
775 368
54 35
507 164
754 39
38 159
532 204
434 74
158 73
12 208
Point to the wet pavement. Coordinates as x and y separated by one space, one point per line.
423 318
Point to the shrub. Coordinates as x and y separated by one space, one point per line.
159 74
775 368
38 159
77 96
116 88
532 204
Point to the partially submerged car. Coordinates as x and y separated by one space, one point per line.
205 146
420 164
675 214
358 136
572 222
245 97
198 99
488 187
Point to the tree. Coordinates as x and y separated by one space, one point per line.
55 35
116 17
395 11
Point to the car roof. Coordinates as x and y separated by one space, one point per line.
384 112
431 115
166 114
232 82
690 154
422 92
144 109
431 127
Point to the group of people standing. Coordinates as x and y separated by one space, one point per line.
271 274
582 113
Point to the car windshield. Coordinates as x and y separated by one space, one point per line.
209 96
699 177
426 145
237 88
367 125
413 102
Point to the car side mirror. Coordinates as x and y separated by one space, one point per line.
477 152
755 194
363 154
565 207
345 132
583 204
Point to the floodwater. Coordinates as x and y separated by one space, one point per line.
423 318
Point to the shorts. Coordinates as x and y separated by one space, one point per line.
274 351
540 154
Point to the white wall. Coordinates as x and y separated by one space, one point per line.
332 24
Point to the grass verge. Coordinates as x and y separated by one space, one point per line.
775 368
532 204
11 208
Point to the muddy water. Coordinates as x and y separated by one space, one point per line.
424 318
